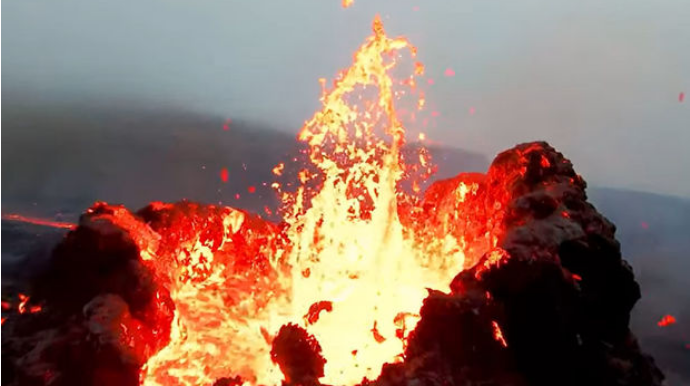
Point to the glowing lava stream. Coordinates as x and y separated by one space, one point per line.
345 244
38 221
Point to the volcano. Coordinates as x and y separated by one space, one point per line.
549 303
505 278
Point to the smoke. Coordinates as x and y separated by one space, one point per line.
554 70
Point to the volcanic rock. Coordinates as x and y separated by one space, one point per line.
554 282
545 297
298 355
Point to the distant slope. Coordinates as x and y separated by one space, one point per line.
65 159
654 231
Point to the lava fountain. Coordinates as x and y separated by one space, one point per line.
345 267
504 278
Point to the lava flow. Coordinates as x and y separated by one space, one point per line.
38 221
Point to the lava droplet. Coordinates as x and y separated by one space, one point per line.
224 174
681 97
666 321
449 72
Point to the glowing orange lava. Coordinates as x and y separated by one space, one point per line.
38 221
22 307
343 265
667 320
347 233
498 334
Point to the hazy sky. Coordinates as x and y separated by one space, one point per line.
600 80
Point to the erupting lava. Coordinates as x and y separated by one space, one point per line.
348 244
505 278
344 267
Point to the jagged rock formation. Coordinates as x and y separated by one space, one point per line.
556 286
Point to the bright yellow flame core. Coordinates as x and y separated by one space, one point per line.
350 237
347 246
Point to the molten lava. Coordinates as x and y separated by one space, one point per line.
667 320
38 221
344 266
348 245
350 285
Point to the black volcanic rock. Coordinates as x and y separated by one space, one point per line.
103 314
298 355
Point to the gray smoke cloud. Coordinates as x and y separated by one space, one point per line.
599 80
